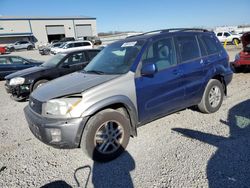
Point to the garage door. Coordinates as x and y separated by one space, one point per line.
55 30
83 30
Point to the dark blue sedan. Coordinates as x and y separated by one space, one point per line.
10 64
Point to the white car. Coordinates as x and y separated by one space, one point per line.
228 36
72 46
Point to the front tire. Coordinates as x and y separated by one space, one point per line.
39 84
212 97
29 47
106 135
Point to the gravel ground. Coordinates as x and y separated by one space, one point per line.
185 149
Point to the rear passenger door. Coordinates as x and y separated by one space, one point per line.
213 52
192 65
162 92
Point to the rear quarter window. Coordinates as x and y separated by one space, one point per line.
210 44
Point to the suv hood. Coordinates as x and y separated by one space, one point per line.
25 72
70 84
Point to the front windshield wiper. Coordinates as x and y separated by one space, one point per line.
94 71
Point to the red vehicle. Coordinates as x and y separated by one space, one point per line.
242 60
2 50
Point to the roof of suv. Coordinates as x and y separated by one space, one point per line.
69 42
152 34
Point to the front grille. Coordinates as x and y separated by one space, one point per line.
35 105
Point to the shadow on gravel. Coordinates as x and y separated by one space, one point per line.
230 165
56 184
115 173
112 174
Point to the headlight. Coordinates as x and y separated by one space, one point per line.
16 81
60 107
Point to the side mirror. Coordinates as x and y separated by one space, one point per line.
65 66
148 69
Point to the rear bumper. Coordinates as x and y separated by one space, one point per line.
42 128
242 62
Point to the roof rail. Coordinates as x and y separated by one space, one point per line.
171 30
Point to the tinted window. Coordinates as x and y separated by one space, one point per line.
78 44
86 44
219 34
23 42
226 34
75 58
161 53
3 60
210 44
92 54
188 47
17 60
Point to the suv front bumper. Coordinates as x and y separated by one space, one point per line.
59 133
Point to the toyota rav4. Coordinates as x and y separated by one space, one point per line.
128 84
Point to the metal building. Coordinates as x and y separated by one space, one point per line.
42 30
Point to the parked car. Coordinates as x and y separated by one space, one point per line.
128 84
10 64
20 84
242 60
94 39
3 50
72 46
45 50
20 45
229 37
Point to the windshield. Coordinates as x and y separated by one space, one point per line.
116 58
52 62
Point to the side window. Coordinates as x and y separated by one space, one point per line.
210 44
75 58
162 53
226 34
78 44
71 45
219 34
86 44
188 48
92 54
3 61
17 60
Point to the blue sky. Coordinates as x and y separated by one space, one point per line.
137 15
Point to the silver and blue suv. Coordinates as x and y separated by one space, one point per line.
130 83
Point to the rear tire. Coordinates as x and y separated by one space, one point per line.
212 97
106 135
236 41
38 84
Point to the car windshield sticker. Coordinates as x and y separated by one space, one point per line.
129 44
